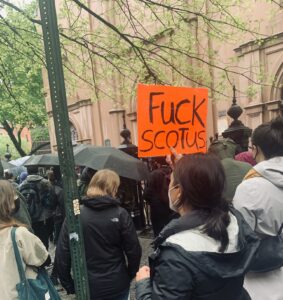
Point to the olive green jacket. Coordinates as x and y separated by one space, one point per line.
235 171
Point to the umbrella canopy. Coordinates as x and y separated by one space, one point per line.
16 171
6 165
42 160
20 161
99 158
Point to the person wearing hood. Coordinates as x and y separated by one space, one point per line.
109 238
156 194
84 181
23 176
260 199
207 251
41 203
235 170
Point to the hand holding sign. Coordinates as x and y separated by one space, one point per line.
173 158
171 117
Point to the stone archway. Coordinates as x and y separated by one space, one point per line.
277 90
274 107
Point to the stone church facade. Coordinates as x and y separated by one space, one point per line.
100 122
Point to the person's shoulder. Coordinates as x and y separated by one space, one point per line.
22 232
254 184
253 193
45 181
171 254
228 162
122 211
193 240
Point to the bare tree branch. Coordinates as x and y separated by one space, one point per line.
123 36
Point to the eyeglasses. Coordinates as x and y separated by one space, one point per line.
253 147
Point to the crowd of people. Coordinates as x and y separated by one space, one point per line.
212 216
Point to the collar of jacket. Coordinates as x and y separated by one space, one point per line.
197 218
189 221
100 202
33 178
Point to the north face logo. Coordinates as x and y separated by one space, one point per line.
115 220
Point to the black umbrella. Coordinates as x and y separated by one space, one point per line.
42 160
99 158
19 161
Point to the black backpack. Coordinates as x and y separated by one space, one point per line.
37 198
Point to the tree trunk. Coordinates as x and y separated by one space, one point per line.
1 171
38 148
16 143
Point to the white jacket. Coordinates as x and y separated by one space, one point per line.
33 252
260 200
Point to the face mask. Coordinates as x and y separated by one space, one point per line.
171 204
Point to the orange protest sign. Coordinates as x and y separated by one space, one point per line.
171 117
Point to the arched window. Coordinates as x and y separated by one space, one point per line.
74 134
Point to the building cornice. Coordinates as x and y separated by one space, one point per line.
254 108
274 105
75 106
259 107
255 45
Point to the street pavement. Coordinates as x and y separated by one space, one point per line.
145 239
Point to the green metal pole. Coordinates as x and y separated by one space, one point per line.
1 170
64 143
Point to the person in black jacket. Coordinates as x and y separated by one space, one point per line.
205 254
109 238
156 194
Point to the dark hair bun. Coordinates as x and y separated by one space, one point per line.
277 124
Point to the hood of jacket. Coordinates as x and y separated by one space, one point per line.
219 265
34 178
100 202
272 170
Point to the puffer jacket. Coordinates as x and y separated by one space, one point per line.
188 266
260 200
109 236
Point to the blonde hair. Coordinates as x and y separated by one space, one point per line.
7 202
104 182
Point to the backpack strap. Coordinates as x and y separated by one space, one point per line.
18 256
251 174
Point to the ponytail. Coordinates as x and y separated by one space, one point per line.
216 225
201 178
